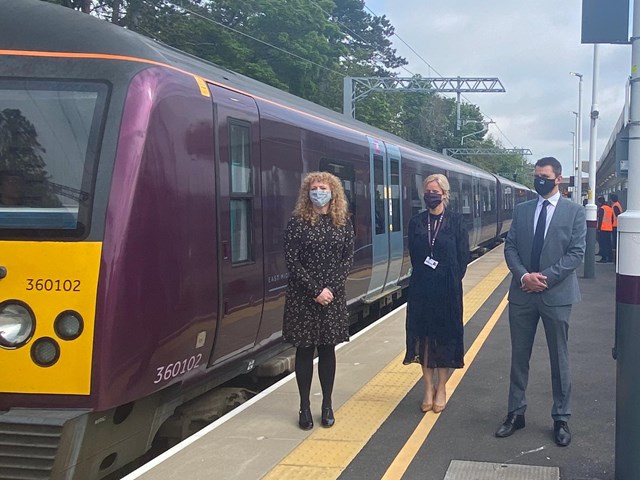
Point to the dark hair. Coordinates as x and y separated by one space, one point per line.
601 200
553 162
613 197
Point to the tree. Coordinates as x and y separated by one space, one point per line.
305 47
21 154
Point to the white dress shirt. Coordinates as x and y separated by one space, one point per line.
551 208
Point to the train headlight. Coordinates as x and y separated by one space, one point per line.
45 351
17 324
68 325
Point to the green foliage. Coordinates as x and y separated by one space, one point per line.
307 47
20 151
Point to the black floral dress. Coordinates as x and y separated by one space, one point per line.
318 255
434 304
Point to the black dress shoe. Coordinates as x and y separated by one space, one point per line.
306 420
512 423
561 433
327 417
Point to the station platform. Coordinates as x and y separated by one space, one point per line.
380 432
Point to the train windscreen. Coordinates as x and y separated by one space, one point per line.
49 133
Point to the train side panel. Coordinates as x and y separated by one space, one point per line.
294 143
157 299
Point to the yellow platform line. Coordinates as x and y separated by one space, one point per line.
408 452
325 453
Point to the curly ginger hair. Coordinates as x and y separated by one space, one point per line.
337 205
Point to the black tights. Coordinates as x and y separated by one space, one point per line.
326 372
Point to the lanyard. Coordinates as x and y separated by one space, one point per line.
436 227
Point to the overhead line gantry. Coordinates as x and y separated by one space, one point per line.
457 85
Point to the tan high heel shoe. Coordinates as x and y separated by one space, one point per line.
427 407
437 408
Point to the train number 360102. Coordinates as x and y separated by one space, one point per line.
167 372
51 285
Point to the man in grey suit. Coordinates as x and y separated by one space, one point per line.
543 248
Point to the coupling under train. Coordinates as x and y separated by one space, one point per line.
143 199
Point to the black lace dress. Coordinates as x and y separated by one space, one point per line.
318 255
434 305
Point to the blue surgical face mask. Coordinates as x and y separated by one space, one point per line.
320 197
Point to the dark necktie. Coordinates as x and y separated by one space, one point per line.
538 238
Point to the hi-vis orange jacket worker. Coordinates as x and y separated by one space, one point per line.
607 219
617 210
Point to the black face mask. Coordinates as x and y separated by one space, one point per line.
543 185
432 200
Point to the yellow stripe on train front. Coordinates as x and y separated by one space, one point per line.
51 277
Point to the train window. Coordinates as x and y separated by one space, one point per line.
347 175
241 191
486 202
467 201
416 195
49 133
507 198
395 221
240 156
454 192
240 230
378 180
492 198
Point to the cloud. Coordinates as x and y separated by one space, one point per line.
531 47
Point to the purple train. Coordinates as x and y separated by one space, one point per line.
143 199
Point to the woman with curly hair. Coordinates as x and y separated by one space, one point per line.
318 248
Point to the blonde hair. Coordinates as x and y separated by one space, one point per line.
337 205
442 182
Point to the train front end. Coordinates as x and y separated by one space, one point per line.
86 321
52 204
48 137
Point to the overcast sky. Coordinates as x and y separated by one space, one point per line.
531 46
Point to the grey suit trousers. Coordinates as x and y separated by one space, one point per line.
523 322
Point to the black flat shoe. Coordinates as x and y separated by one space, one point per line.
561 433
327 417
512 423
306 420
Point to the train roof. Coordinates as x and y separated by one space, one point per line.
58 29
511 183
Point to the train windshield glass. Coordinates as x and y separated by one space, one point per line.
48 147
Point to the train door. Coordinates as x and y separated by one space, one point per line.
240 257
476 209
386 218
394 188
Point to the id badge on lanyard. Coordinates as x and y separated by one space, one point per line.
432 262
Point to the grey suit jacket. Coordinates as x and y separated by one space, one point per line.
562 252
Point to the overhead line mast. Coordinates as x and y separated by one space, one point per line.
457 85
486 151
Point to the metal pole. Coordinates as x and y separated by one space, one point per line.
348 108
574 165
573 151
627 333
579 143
458 122
592 210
